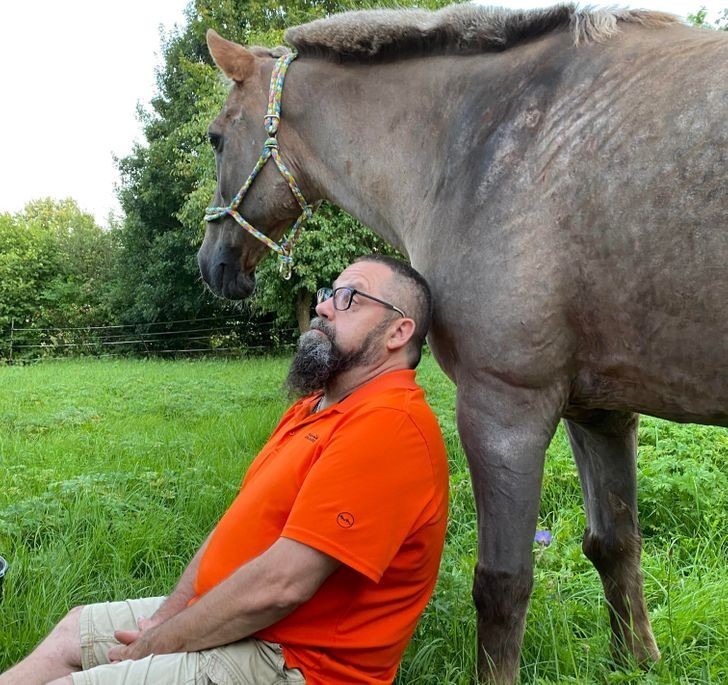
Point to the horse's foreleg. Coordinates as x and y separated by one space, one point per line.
505 433
605 448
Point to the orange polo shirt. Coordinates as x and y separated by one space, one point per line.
364 481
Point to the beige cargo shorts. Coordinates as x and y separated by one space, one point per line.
248 662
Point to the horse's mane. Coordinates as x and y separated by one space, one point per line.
375 35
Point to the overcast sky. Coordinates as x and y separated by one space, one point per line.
71 75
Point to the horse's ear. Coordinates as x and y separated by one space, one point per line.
235 61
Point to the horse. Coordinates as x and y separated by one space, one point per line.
559 177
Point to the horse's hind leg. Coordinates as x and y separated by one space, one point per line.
605 448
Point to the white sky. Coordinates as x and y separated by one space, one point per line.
71 75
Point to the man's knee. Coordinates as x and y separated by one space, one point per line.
65 639
70 623
75 612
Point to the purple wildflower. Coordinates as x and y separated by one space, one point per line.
543 537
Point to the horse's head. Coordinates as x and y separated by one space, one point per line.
231 250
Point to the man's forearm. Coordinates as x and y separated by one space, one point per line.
220 617
247 601
184 591
258 594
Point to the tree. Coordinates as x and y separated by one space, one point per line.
156 275
28 261
700 19
54 267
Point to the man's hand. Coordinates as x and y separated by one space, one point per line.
135 644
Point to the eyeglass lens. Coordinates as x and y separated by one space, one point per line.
323 294
342 297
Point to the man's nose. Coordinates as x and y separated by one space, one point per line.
325 309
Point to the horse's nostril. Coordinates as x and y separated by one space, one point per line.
217 277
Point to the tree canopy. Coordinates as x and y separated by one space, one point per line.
54 266
700 18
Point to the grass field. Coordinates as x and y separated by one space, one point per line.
113 473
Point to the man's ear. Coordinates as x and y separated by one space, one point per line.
234 60
401 334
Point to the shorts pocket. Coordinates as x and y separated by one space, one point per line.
247 662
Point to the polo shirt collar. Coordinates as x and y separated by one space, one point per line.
401 378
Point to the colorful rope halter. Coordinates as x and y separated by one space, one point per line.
270 150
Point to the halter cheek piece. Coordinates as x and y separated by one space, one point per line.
270 150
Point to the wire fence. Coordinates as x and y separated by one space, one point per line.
215 336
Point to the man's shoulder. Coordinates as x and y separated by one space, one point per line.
394 412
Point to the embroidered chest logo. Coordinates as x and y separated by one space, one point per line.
312 437
345 519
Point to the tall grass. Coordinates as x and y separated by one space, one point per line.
114 472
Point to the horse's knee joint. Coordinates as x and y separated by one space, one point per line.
501 597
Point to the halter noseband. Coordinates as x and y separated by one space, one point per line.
270 150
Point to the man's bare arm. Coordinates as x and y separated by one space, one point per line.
258 594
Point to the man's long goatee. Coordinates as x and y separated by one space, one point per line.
317 360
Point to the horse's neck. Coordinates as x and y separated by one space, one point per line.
369 139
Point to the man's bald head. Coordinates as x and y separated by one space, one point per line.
408 289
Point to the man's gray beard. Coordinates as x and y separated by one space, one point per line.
318 360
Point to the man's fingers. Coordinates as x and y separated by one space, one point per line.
116 654
134 645
145 623
126 637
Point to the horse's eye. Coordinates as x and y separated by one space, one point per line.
215 140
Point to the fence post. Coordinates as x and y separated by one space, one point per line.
144 342
12 329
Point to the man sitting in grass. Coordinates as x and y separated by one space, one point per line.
322 565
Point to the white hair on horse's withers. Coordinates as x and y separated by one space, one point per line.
367 35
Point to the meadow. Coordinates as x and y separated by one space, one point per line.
113 472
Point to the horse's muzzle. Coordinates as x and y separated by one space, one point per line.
237 286
223 274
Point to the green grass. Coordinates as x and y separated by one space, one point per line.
114 472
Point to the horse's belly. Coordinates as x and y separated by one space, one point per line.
693 390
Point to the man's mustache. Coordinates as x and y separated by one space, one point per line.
319 324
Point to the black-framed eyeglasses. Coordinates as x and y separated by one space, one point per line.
344 296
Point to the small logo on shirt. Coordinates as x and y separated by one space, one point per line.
312 437
345 519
